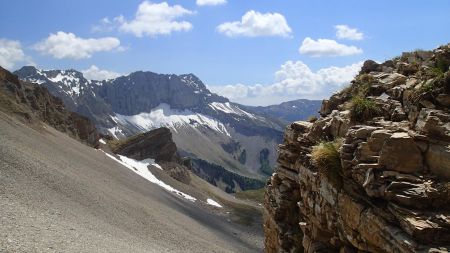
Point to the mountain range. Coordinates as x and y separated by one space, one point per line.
205 126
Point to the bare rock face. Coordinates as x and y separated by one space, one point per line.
389 187
156 144
400 153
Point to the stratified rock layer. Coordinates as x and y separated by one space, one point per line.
156 144
392 190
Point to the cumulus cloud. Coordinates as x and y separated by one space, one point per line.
211 2
154 19
293 80
254 24
94 73
326 47
346 32
67 45
11 54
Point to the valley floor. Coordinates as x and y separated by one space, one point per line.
57 195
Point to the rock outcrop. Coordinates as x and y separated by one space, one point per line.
156 144
34 103
373 173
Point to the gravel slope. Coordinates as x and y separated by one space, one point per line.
57 195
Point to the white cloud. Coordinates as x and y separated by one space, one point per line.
11 54
254 24
67 45
94 73
105 25
211 2
154 19
326 47
294 80
346 32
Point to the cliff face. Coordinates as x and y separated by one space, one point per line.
373 173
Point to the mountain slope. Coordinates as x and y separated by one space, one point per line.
79 200
202 123
33 103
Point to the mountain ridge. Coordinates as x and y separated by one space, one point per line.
201 122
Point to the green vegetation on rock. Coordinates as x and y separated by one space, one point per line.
327 158
363 109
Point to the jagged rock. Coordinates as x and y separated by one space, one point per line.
407 69
377 139
339 124
435 123
301 126
390 80
400 153
329 105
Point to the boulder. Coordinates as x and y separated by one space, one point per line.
390 80
438 160
377 139
400 153
443 99
435 123
370 66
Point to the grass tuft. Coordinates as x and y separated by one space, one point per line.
327 158
362 109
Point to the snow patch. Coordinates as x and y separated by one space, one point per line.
163 115
141 168
35 80
102 141
213 203
114 131
230 109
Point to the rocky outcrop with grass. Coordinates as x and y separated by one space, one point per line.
372 174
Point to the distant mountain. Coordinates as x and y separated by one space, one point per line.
204 125
290 111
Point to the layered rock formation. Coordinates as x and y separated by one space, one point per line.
373 173
34 103
158 145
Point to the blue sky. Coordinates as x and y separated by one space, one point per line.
253 61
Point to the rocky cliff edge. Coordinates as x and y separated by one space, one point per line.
372 174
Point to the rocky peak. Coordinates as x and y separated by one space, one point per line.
373 173
148 90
